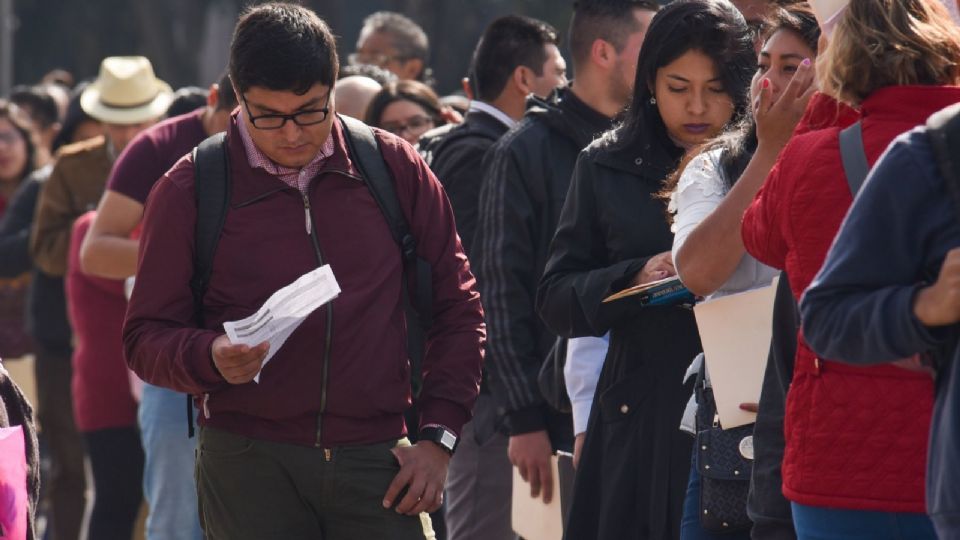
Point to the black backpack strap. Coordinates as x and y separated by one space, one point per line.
365 151
211 171
943 129
854 157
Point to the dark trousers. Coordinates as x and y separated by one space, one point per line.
116 460
766 505
63 484
254 489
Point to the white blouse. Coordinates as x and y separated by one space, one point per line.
700 190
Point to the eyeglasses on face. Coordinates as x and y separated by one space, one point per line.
373 59
307 117
414 123
10 137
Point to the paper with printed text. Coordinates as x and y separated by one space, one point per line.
284 311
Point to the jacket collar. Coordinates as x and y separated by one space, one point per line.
912 104
488 110
249 184
653 158
568 116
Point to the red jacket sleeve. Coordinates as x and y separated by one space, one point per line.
161 336
761 228
454 346
764 222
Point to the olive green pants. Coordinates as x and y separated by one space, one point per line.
253 489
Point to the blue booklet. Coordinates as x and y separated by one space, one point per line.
665 292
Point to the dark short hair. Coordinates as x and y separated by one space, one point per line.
712 27
186 100
74 117
281 46
509 42
409 39
377 73
226 98
21 123
413 91
37 102
797 18
609 20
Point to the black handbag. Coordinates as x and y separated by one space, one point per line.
724 468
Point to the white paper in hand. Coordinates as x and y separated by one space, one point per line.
735 331
284 311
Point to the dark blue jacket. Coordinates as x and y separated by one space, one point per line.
860 306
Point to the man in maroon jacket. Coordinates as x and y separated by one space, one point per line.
317 448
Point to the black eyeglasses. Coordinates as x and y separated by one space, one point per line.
276 121
373 59
414 124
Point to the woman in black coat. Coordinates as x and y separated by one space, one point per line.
692 80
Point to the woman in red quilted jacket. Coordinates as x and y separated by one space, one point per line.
856 436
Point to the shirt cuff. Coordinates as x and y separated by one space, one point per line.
205 370
581 414
526 420
440 412
931 336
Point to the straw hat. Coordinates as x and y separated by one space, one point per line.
126 92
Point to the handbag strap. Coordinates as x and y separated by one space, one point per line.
854 157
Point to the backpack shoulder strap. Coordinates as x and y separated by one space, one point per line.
365 151
211 179
854 157
212 190
943 130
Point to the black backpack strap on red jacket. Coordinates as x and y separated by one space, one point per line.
365 151
211 172
854 157
943 129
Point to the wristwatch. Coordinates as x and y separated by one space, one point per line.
441 436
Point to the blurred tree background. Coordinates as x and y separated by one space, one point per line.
188 40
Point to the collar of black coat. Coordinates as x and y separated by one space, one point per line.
569 116
654 157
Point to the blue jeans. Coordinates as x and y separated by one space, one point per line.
690 528
168 482
814 523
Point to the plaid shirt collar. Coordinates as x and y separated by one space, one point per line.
296 178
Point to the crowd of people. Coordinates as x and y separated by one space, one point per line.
470 243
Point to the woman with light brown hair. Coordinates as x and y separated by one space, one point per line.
856 437
408 109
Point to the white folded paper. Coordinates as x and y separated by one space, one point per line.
530 517
284 311
735 331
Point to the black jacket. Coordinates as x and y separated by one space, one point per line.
16 225
455 154
524 187
633 472
46 302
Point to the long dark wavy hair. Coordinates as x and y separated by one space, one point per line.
714 27
739 142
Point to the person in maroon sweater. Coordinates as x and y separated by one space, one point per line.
108 251
103 406
317 448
